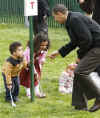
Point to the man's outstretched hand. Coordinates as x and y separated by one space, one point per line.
53 54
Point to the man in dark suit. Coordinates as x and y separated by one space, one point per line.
84 34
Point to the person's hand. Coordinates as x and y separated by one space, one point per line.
81 1
9 86
77 60
53 54
45 17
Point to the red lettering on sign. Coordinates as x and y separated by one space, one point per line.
32 4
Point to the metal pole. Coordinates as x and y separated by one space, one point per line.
31 57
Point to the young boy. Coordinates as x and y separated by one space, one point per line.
11 69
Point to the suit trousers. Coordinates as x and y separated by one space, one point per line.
83 86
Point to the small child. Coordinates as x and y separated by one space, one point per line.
41 45
66 79
11 69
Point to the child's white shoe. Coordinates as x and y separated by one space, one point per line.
39 93
28 94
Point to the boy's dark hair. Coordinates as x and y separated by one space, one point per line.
13 47
60 8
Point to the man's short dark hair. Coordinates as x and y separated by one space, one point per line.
13 47
60 8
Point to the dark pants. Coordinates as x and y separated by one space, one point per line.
40 26
82 88
14 90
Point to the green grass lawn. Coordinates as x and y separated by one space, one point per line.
55 105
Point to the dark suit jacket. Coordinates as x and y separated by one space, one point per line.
96 12
88 6
84 33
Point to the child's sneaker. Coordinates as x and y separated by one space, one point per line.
39 92
15 99
7 100
29 96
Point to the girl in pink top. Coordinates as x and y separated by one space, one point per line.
41 45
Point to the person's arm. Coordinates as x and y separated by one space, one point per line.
25 63
63 51
8 70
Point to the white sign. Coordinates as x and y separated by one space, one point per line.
30 7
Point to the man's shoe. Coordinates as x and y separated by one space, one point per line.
94 108
81 108
9 101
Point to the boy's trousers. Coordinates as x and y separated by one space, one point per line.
14 90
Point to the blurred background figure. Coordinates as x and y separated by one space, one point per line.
96 14
66 79
40 21
87 6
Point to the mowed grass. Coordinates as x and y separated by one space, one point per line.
55 105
